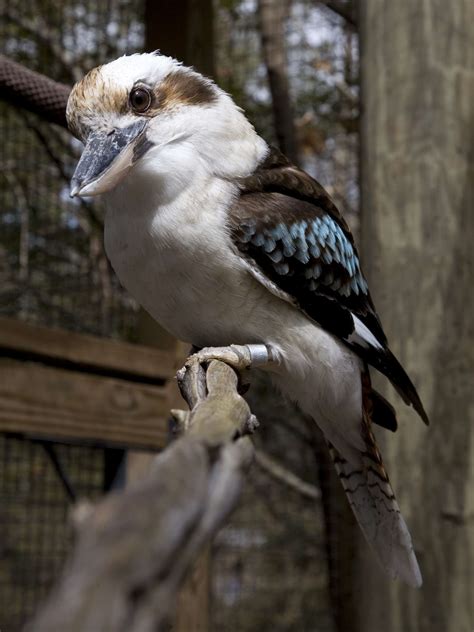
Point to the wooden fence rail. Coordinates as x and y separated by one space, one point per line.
63 386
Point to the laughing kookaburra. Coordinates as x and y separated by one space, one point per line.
234 249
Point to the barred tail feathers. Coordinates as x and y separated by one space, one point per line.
375 507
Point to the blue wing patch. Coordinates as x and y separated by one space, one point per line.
317 247
289 228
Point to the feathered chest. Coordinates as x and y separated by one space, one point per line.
179 264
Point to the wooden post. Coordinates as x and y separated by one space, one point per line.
417 227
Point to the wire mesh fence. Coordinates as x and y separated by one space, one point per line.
53 271
53 266
271 569
34 519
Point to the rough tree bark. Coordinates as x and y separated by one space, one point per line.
134 548
418 192
272 17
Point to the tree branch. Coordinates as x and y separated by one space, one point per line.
272 17
285 476
345 10
39 30
135 548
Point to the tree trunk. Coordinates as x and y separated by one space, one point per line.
272 16
183 29
417 226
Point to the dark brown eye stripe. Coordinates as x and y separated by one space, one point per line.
97 94
183 87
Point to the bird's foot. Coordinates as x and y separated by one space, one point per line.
239 357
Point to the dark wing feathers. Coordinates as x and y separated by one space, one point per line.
287 226
276 174
383 413
307 254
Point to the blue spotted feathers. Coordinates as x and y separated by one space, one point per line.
289 230
316 243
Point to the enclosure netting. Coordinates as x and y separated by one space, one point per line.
34 519
53 266
270 567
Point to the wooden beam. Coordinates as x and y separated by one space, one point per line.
417 223
91 353
42 401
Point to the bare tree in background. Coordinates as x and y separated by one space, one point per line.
417 227
273 15
346 9
183 29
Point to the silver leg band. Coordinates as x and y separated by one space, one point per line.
259 354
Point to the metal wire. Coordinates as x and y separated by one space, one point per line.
53 268
34 510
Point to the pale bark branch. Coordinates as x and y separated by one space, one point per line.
285 477
135 547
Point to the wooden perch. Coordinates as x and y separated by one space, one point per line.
134 548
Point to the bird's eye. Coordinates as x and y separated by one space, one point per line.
140 99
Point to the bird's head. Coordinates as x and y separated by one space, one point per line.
148 113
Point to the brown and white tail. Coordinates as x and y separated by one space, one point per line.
375 507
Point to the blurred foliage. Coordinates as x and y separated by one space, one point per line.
323 72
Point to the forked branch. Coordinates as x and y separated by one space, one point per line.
134 548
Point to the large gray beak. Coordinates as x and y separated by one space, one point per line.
107 157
